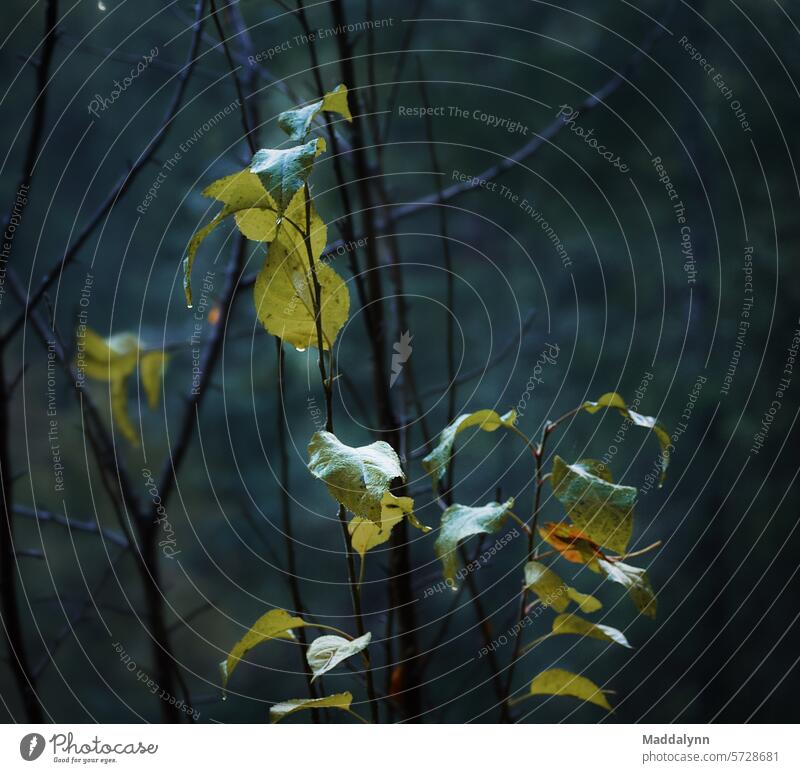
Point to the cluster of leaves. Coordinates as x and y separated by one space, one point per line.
595 533
114 360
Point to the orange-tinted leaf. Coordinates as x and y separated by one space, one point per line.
572 544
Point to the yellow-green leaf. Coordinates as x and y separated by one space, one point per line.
152 367
340 700
635 581
553 592
437 460
119 410
284 290
326 652
356 477
255 210
283 172
557 681
366 534
275 624
460 522
572 624
602 510
108 359
614 400
297 122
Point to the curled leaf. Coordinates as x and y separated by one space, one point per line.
356 477
152 367
572 544
283 172
557 681
614 400
275 624
326 652
460 522
297 122
437 460
366 534
635 581
602 510
340 700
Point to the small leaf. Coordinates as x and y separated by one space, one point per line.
326 652
284 172
340 700
152 367
460 522
614 400
275 624
297 123
365 534
577 625
108 359
556 681
357 478
437 460
553 592
572 544
602 510
636 582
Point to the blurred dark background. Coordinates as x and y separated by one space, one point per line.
724 646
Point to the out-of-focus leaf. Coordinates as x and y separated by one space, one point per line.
437 460
152 367
614 400
119 410
460 522
366 534
577 625
556 681
572 544
358 477
553 592
297 123
275 624
326 652
637 583
109 359
602 510
283 172
340 700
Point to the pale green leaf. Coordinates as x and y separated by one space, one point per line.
635 581
297 123
358 477
557 681
460 522
602 510
119 410
275 624
108 359
585 602
340 700
614 400
437 460
283 172
326 652
572 624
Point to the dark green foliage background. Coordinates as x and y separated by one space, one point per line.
725 641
